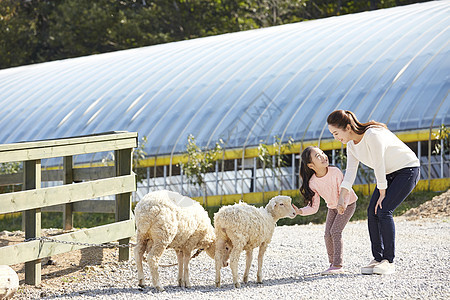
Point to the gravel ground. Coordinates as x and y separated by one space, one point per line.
291 270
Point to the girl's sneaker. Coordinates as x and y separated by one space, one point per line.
332 270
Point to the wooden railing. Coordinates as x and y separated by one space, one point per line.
32 199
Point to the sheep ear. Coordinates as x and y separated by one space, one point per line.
274 202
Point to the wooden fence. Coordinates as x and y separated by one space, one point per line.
121 182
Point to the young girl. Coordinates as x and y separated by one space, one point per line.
396 169
322 180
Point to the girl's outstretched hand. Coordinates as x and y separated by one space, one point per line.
298 211
341 208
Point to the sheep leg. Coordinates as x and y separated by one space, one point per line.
180 268
186 259
248 263
153 258
138 255
218 258
234 260
262 250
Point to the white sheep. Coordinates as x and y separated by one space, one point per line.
166 219
9 282
246 227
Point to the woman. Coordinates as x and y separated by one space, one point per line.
396 169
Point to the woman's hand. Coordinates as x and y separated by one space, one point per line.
298 211
344 194
380 199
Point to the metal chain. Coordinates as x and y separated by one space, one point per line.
104 245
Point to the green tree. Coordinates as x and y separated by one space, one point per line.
266 161
23 32
444 135
341 159
6 169
200 162
35 31
276 161
139 155
280 157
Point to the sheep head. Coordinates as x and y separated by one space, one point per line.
225 252
280 207
209 245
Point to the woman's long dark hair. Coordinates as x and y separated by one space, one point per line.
306 173
341 118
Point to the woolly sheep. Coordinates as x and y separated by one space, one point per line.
9 282
166 219
246 227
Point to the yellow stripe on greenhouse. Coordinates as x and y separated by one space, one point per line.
328 144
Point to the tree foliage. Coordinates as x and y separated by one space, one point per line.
139 156
9 168
36 31
200 161
276 161
444 135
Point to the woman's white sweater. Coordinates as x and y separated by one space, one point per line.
380 150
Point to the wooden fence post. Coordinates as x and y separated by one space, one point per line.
32 217
68 179
123 162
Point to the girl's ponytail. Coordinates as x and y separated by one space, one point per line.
306 173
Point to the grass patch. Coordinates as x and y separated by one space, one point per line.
13 221
413 200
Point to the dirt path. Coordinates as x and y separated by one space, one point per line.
63 269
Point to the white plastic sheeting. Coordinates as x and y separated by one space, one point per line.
391 65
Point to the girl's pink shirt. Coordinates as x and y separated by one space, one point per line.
328 188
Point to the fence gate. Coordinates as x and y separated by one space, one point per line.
33 198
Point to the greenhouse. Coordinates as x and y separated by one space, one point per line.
270 88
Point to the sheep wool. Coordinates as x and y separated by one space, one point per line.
246 227
166 219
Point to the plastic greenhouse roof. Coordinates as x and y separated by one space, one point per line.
390 65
